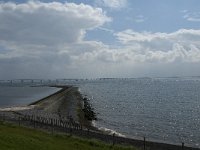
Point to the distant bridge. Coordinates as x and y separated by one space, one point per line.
40 81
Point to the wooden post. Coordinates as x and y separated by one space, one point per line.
4 117
70 131
88 131
34 121
182 146
144 143
19 120
51 125
31 119
81 127
113 139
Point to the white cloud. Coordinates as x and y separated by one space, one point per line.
114 4
46 40
48 23
180 46
192 16
39 39
106 29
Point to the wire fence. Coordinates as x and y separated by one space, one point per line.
54 123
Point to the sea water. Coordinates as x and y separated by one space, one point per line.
23 95
160 109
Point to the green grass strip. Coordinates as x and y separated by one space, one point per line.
13 137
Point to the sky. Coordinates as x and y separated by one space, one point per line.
99 38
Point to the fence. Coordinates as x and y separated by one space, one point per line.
55 123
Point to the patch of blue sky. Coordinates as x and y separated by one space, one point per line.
159 16
101 34
142 15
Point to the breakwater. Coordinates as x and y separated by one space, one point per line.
58 113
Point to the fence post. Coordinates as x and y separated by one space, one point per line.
113 139
182 146
4 117
144 143
88 131
57 122
70 131
81 129
29 119
52 126
19 119
34 121
1 117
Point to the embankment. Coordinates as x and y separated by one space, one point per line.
69 102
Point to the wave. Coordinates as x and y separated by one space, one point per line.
110 132
107 131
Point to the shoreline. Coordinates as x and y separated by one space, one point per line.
69 101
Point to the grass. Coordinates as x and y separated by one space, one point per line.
13 137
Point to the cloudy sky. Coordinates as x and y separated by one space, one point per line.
99 38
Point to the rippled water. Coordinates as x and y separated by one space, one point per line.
164 110
23 95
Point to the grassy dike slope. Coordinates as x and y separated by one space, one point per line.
13 137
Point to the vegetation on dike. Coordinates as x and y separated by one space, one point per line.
13 137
